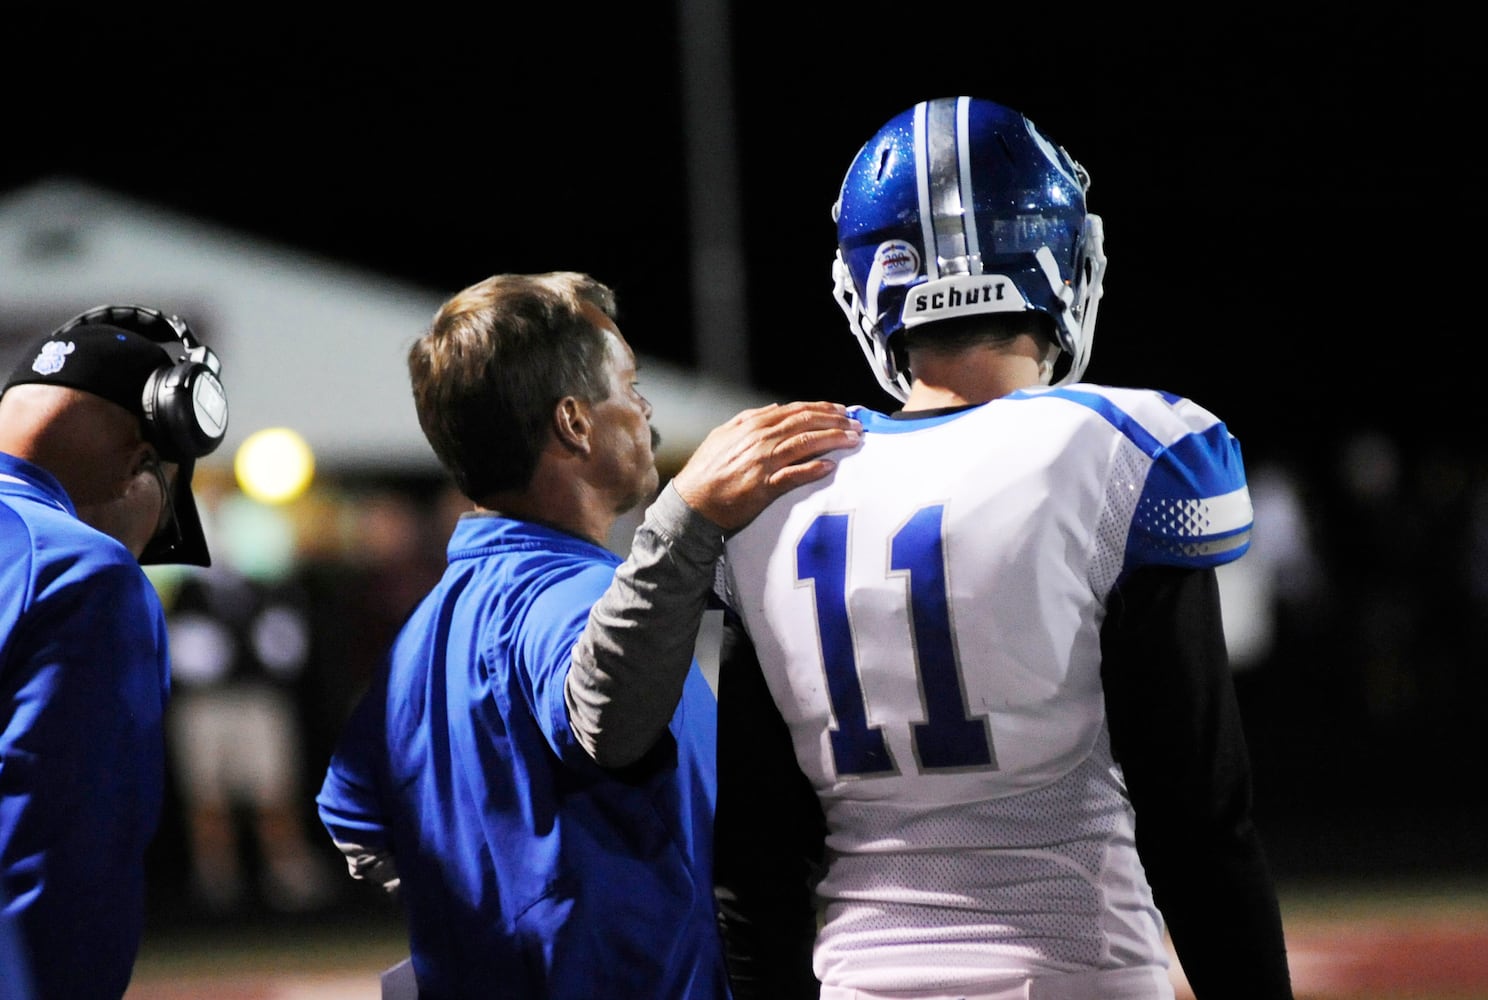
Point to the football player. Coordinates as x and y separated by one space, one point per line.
978 733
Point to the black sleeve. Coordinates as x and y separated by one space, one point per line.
770 833
1176 731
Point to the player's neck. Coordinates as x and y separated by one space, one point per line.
947 381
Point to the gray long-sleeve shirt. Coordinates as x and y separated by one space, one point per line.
633 657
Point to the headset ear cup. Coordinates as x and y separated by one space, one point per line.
170 413
157 424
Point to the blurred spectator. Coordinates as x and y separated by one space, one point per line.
397 558
1279 577
1381 700
240 644
392 553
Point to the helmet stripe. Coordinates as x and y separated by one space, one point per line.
968 199
943 168
922 190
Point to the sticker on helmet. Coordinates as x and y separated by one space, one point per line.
897 262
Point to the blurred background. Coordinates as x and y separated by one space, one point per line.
1293 214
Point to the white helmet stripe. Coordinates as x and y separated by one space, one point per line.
943 165
968 199
922 190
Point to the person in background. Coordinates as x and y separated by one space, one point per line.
547 839
101 424
240 643
978 735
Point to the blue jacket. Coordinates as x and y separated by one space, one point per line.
84 680
526 869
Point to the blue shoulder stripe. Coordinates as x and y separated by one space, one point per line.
1194 509
881 423
1114 415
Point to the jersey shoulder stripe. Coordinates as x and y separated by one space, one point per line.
875 422
1194 507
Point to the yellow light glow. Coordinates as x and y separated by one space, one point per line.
274 465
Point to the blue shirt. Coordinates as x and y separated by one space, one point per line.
84 680
15 961
526 869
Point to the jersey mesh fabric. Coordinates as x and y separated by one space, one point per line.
1127 466
940 908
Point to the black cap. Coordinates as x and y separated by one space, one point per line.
116 364
107 361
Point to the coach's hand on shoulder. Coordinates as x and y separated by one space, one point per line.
744 464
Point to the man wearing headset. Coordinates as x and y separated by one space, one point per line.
101 423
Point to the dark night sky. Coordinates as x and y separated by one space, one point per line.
1289 200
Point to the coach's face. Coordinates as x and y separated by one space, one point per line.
625 444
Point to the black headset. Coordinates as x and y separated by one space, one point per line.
184 403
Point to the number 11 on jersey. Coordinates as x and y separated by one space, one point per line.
949 738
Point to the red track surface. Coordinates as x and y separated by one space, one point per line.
1336 954
1410 957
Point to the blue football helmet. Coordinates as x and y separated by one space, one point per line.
960 206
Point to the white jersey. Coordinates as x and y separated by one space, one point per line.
928 621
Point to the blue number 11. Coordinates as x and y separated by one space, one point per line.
949 737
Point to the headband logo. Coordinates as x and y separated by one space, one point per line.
53 355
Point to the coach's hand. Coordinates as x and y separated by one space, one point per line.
744 464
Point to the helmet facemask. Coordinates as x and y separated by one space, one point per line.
865 330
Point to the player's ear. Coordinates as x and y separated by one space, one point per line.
573 424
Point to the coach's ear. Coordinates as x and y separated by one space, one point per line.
573 424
